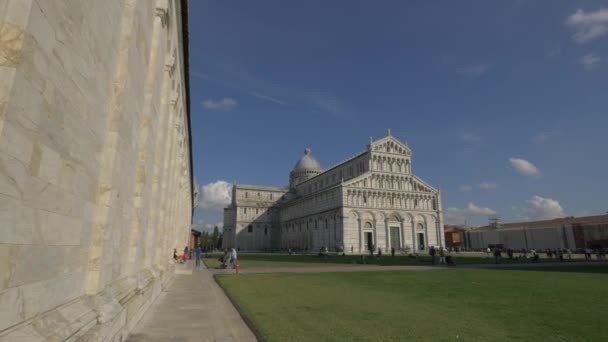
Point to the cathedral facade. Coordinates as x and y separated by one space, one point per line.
370 201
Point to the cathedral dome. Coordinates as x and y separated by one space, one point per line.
307 163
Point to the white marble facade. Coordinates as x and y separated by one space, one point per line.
371 200
95 168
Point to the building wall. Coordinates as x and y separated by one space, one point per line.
94 164
533 238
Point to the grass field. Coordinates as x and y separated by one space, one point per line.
549 304
284 260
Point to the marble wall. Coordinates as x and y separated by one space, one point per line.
95 183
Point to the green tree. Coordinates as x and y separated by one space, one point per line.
215 237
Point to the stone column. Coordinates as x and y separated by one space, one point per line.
360 235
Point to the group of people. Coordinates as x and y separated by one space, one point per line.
229 258
444 256
182 259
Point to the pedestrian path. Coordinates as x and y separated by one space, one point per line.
193 308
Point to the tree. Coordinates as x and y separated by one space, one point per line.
215 237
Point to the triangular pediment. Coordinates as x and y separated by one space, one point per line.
390 144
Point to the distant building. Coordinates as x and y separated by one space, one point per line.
568 232
453 235
369 201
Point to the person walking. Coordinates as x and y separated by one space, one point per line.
432 254
497 255
199 253
441 255
233 257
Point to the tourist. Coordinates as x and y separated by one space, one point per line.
379 252
569 253
199 252
175 254
233 257
560 255
488 251
588 252
497 255
534 255
186 255
352 249
441 255
393 252
432 254
510 253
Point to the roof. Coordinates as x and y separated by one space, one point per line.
452 228
261 187
564 221
307 163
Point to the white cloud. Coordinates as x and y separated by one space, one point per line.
554 52
588 25
225 104
466 188
216 195
469 137
540 208
265 97
524 167
474 70
541 137
544 136
326 103
487 186
459 215
208 227
589 61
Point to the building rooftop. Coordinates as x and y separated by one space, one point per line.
570 220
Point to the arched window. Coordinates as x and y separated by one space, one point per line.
364 199
415 203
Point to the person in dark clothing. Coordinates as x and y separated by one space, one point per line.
393 252
497 255
432 254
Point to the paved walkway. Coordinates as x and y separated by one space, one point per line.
194 308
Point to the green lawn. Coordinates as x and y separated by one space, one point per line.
441 305
284 260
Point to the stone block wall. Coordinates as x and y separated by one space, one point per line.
95 168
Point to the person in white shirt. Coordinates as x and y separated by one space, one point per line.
233 257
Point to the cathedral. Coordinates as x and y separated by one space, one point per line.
371 201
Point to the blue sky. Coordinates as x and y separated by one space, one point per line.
504 104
